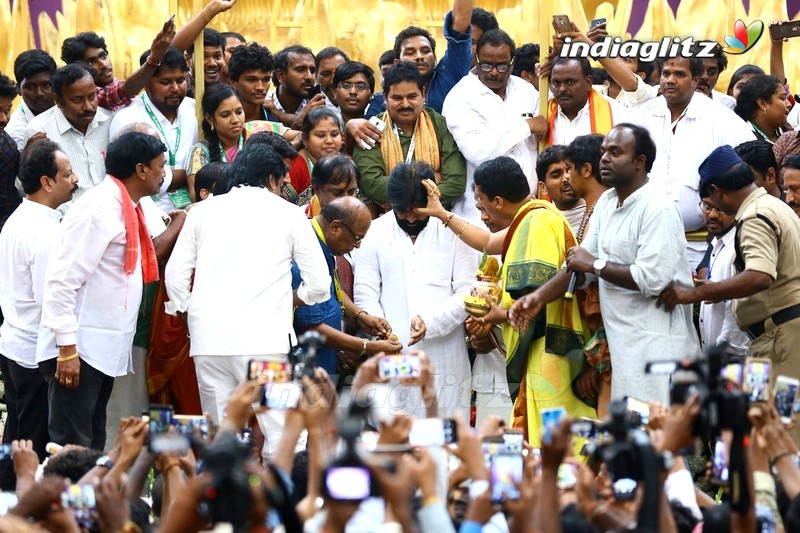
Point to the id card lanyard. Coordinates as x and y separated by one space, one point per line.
173 151
410 155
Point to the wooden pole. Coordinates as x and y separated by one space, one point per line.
197 70
545 16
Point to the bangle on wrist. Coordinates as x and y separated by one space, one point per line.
364 348
152 62
68 358
463 228
355 317
448 219
774 460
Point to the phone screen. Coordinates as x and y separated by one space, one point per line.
432 432
273 371
506 474
641 409
281 396
567 476
399 366
6 452
757 380
597 22
785 395
81 499
732 373
624 489
188 424
719 463
348 483
551 418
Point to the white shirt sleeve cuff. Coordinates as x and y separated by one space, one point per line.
66 339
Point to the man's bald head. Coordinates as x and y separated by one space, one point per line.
347 221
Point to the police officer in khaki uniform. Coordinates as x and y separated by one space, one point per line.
766 289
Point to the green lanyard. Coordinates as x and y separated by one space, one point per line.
239 149
172 151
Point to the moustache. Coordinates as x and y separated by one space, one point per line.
793 205
75 188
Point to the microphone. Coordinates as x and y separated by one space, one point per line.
573 280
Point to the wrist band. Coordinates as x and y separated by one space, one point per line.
68 358
355 317
449 218
150 61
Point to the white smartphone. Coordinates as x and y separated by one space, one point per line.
786 389
378 123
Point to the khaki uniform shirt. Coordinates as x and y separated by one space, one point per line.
768 241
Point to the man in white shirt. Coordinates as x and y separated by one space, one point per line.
576 108
93 288
415 273
709 75
553 174
634 249
165 106
33 70
76 123
717 323
686 127
491 113
240 248
25 244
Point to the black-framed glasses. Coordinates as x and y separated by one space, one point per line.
706 207
360 86
502 68
353 233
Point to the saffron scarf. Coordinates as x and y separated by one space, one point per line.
135 234
426 144
600 115
546 357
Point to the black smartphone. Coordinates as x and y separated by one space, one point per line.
597 22
170 21
785 30
719 463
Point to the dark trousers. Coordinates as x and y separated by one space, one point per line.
78 416
26 402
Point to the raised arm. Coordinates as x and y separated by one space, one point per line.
186 35
134 83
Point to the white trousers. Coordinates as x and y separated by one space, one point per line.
492 404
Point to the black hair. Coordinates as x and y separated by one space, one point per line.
719 55
644 143
412 31
130 149
311 120
761 86
66 76
485 20
207 176
329 52
599 76
282 59
758 154
299 476
157 493
173 59
525 59
347 70
250 57
405 189
744 70
72 463
400 72
586 67
275 141
695 63
645 67
8 88
140 514
586 149
792 516
735 178
38 159
255 166
212 98
551 154
211 38
792 162
334 169
74 48
228 34
387 58
685 520
496 37
503 177
32 62
572 519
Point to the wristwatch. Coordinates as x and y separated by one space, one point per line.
598 265
105 461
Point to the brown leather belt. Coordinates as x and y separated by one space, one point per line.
782 316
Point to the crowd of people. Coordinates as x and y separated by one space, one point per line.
351 300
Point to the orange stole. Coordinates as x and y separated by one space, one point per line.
600 115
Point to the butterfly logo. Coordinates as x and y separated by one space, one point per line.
743 38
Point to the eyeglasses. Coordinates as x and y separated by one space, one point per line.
502 68
360 86
706 208
357 238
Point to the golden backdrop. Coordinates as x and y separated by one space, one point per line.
365 31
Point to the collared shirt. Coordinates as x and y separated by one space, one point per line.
771 251
273 95
112 96
644 92
25 245
18 125
186 122
723 99
566 130
240 247
486 126
453 166
717 324
446 74
86 153
89 301
646 234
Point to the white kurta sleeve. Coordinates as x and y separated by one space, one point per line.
367 276
450 314
315 287
660 248
84 240
181 265
45 245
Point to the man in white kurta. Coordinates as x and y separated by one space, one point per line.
401 278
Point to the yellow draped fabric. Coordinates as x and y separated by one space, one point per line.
600 115
546 357
426 145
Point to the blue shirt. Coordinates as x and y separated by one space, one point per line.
449 71
328 312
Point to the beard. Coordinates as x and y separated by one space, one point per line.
412 228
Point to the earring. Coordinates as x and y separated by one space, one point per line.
765 110
212 127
